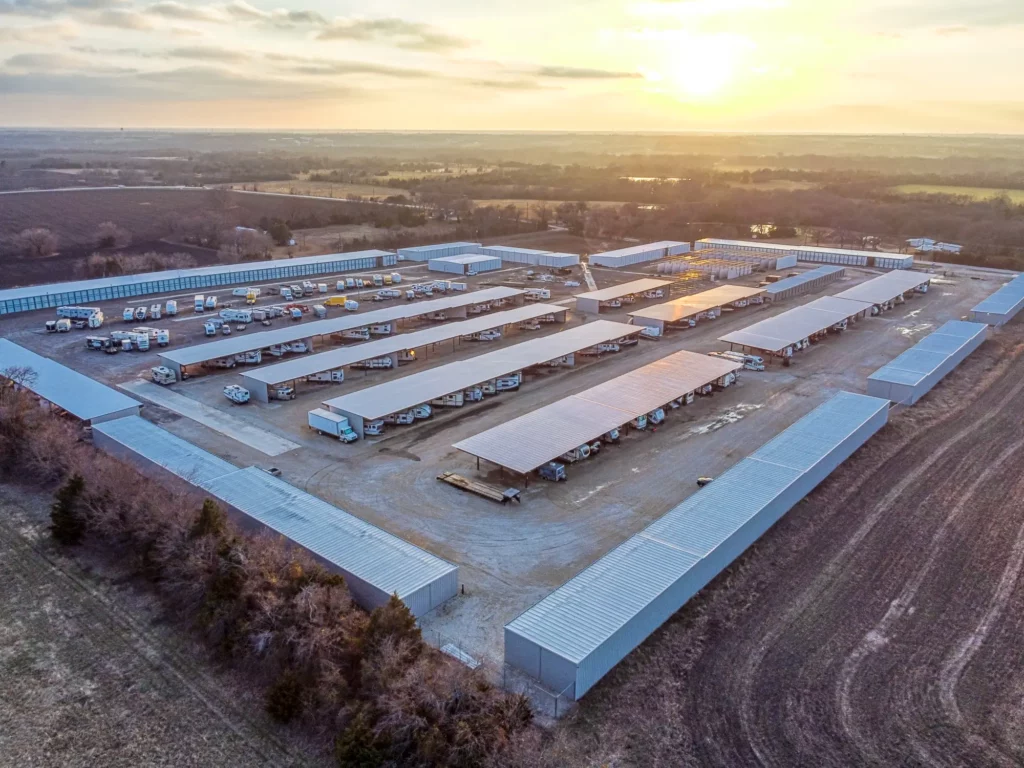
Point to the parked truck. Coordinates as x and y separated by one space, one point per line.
320 311
211 303
200 303
325 422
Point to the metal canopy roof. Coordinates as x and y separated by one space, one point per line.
305 365
526 443
177 456
798 280
928 355
777 333
639 248
235 345
79 395
688 306
1005 299
402 394
469 258
173 274
886 287
589 609
795 249
427 249
373 555
625 289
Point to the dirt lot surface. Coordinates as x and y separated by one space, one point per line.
92 678
878 623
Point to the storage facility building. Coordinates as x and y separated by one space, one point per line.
888 287
808 282
1003 305
531 256
525 443
577 634
454 307
687 308
592 300
67 389
260 380
460 265
405 393
439 251
639 254
844 256
128 286
375 563
777 335
912 375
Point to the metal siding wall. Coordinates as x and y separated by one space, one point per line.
588 305
556 672
881 389
117 415
522 654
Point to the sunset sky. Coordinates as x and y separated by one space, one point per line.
928 66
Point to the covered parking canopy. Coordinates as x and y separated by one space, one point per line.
455 305
805 282
777 333
686 307
65 388
405 393
258 380
1003 305
592 300
536 438
886 287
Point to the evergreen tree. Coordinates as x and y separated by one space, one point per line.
209 522
67 524
356 746
394 620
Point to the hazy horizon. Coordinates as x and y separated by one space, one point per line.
786 67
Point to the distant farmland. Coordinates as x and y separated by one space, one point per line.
975 193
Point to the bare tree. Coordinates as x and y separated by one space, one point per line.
109 235
37 241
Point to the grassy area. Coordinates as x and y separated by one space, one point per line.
533 205
326 188
775 184
975 193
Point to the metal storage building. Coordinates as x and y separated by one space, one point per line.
592 300
456 306
375 563
577 634
807 282
259 380
777 333
82 397
639 254
912 375
459 265
408 392
886 287
525 443
846 256
428 252
531 256
663 315
127 286
1003 305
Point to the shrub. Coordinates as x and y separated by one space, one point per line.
66 521
209 522
393 621
284 698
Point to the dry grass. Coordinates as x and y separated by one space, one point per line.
975 193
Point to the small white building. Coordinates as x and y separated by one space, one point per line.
460 265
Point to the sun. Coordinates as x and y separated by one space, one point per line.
699 68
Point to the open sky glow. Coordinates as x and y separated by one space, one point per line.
931 66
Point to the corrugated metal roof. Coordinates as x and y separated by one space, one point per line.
420 249
536 438
305 365
798 280
177 456
68 389
929 354
585 612
797 249
688 306
625 289
886 287
402 394
375 556
777 333
469 258
1005 299
638 249
149 277
235 345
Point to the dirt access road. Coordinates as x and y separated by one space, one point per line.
90 679
878 623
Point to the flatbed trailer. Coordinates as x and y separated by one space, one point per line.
486 490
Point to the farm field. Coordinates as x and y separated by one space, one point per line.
531 206
322 188
876 624
975 193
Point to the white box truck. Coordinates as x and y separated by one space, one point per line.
200 303
327 423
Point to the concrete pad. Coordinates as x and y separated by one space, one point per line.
224 423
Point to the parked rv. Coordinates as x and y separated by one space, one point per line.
351 305
250 358
492 335
373 363
163 375
282 392
381 329
211 302
373 428
320 311
454 400
553 471
221 362
328 377
236 394
508 383
422 412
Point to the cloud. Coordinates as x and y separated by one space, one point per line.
243 11
207 53
508 85
30 7
42 34
411 35
584 73
311 66
58 62
952 30
119 19
172 9
210 83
